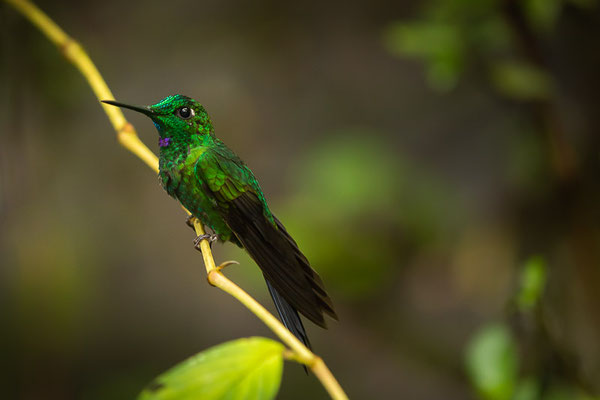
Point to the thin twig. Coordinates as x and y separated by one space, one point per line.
129 139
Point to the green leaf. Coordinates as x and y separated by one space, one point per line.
492 362
533 281
240 369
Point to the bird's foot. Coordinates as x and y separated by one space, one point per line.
190 220
225 264
211 237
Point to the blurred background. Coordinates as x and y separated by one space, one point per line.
437 161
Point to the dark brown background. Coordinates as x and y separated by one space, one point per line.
417 206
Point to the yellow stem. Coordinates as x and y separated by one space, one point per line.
129 139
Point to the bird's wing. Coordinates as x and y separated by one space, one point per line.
244 209
226 176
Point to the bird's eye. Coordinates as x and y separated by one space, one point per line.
185 113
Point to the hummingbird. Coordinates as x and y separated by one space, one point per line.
216 186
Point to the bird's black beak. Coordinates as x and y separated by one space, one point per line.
144 110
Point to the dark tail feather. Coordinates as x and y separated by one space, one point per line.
280 260
289 316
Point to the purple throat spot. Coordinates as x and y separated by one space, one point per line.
164 142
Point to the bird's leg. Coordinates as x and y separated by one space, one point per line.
211 237
189 221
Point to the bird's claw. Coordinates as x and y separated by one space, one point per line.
225 264
211 237
189 221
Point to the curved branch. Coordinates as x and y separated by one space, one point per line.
129 139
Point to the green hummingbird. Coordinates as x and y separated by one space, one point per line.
217 187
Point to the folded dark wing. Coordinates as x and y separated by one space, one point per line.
263 236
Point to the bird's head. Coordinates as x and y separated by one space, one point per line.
175 117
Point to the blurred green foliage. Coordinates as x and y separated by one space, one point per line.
439 44
236 370
532 283
492 357
354 195
492 362
520 80
450 35
542 14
